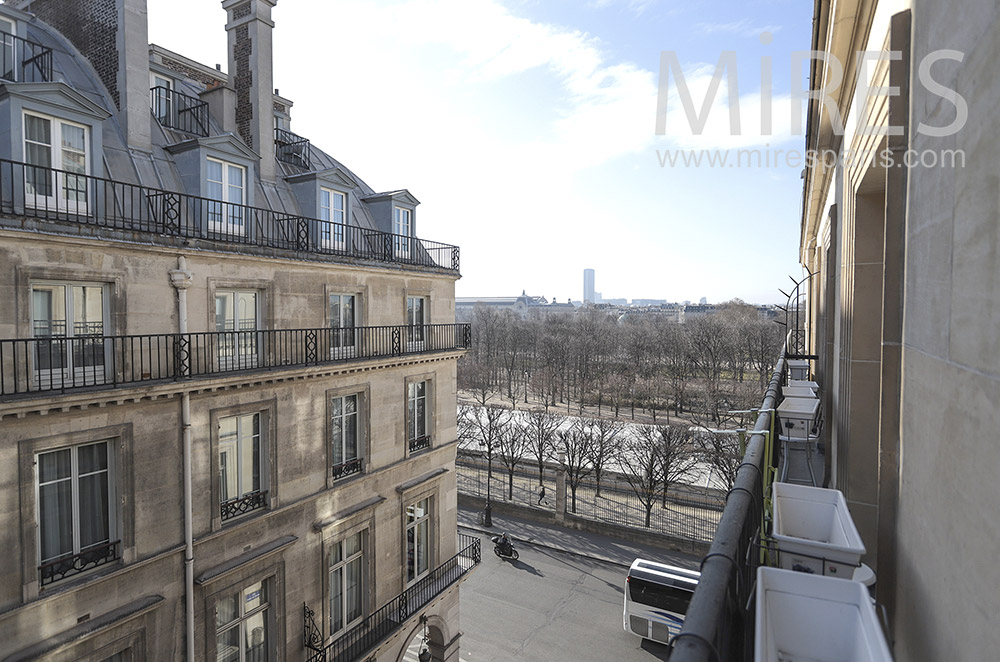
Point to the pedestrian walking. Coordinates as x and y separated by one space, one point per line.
541 495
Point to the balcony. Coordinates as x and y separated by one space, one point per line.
24 61
357 641
67 566
102 207
291 148
176 110
59 364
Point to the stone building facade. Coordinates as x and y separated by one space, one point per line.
227 366
901 234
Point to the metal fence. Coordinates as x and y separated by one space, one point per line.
180 111
719 624
291 148
23 60
54 363
80 199
361 638
690 513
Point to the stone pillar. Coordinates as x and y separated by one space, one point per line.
249 29
561 489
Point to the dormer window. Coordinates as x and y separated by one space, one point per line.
55 151
402 227
162 98
332 208
7 50
225 183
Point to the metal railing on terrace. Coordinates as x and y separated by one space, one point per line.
59 364
719 624
358 640
78 199
291 148
176 110
23 60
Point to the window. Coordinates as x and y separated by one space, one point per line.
237 316
333 208
346 594
344 435
242 625
77 523
162 99
401 228
8 70
55 154
416 416
343 321
416 318
418 525
225 186
241 465
69 319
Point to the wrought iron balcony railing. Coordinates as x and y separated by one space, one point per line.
176 110
347 468
105 205
74 564
353 644
23 60
719 624
60 364
291 148
242 505
419 444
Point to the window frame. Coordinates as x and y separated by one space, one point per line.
402 232
360 522
362 556
70 372
238 341
363 393
416 334
221 212
339 349
268 460
430 518
333 234
413 445
120 499
57 181
164 102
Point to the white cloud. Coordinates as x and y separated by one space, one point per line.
635 6
743 27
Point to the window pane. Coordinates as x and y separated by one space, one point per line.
256 638
420 421
224 311
352 545
55 514
74 137
253 597
214 171
94 515
350 404
337 440
348 315
337 598
335 318
93 457
353 597
351 437
88 310
227 646
423 532
227 609
38 130
54 466
411 554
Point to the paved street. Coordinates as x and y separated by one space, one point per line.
548 605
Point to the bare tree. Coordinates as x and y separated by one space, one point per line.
540 432
605 433
721 451
467 427
640 460
574 444
678 459
511 445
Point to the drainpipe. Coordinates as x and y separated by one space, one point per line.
181 279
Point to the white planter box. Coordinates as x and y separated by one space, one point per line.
812 523
798 369
807 618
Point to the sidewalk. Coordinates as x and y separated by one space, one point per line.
588 545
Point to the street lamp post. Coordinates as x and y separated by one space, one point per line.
525 387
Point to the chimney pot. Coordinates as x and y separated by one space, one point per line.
218 67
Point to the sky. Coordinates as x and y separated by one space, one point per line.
527 129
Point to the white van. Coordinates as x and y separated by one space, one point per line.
656 599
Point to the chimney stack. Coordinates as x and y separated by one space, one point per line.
249 27
113 36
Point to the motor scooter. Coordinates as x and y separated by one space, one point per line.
503 547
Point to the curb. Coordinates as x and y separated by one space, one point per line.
535 543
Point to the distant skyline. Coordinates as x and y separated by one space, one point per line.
526 128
